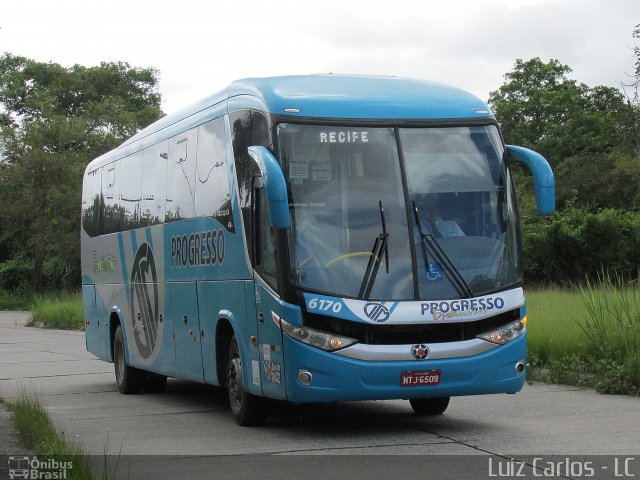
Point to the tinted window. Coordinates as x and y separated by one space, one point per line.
181 177
91 202
248 128
130 192
212 180
111 197
266 260
154 184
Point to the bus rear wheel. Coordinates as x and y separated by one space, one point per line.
128 379
248 410
429 406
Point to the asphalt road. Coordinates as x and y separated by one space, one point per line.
172 434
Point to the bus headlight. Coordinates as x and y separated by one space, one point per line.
316 338
506 333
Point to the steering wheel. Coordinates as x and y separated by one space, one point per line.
346 256
305 261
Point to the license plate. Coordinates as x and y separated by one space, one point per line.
416 379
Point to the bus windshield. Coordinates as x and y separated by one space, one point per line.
442 225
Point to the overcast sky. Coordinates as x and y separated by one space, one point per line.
200 46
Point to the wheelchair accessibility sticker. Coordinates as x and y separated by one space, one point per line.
434 272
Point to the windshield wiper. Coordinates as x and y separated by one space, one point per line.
380 248
450 269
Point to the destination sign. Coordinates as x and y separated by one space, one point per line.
344 136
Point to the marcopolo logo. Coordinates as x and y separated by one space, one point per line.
144 300
376 312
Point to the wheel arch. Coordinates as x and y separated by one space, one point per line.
228 326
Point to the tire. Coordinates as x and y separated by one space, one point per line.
128 379
429 406
247 409
154 382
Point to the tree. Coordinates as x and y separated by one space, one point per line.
587 134
54 120
634 103
536 98
591 138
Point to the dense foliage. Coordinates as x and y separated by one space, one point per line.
591 138
53 121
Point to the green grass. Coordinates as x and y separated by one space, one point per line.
37 433
63 312
555 316
588 336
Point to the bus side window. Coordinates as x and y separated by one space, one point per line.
212 180
154 183
181 176
248 128
111 196
92 202
130 193
265 252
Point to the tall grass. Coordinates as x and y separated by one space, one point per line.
586 336
612 328
37 433
62 312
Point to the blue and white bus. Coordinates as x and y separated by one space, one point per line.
312 239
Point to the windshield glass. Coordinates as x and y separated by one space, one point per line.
355 231
463 203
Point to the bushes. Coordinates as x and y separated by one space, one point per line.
17 275
575 244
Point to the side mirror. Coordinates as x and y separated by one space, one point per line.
275 186
543 181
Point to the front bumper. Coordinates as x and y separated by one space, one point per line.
339 378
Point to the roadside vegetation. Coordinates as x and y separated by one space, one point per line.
586 336
15 300
37 433
62 311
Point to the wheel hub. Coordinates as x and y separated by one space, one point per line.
235 381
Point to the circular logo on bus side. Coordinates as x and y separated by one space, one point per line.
376 312
144 301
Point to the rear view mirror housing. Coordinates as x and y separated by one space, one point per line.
274 184
543 181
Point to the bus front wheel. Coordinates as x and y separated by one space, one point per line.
429 406
128 379
248 410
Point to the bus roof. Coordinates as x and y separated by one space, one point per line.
328 96
360 97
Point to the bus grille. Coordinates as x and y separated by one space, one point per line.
409 334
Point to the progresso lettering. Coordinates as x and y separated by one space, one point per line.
198 249
461 308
